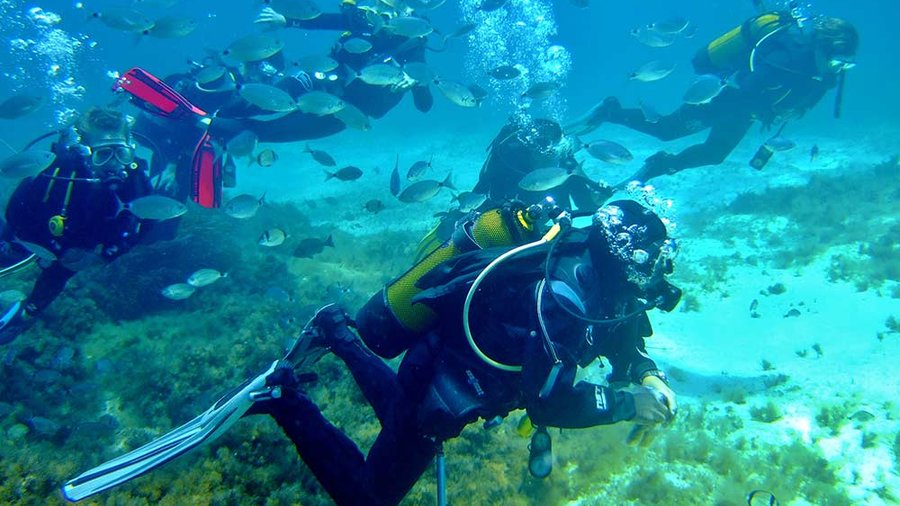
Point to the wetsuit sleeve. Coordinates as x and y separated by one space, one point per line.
627 352
569 405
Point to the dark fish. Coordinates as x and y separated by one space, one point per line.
417 169
504 72
862 416
43 426
541 90
17 106
424 190
491 5
320 156
374 206
792 313
348 173
266 157
395 177
814 153
478 92
462 31
279 294
312 246
609 151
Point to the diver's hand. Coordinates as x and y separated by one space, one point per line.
270 19
649 406
405 84
656 383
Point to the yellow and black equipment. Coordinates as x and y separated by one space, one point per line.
391 322
736 50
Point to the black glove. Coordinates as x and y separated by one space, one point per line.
649 406
657 164
333 322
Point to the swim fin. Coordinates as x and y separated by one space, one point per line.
202 429
206 174
155 96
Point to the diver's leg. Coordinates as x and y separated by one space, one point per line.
686 120
398 458
47 288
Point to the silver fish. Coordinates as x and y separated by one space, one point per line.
154 207
209 74
17 106
320 103
244 206
272 237
652 71
669 26
267 97
779 143
254 47
704 89
205 277
609 151
242 145
26 163
356 45
320 156
295 9
417 169
124 19
171 27
317 63
457 93
424 190
469 201
544 179
409 26
652 38
381 74
178 291
541 90
353 117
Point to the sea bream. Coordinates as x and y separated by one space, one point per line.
205 277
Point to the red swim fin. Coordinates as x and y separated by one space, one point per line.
206 174
154 96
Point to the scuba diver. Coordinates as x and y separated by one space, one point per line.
364 26
498 318
70 216
525 145
777 66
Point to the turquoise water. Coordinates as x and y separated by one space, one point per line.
798 399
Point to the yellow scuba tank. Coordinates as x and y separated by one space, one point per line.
390 322
732 51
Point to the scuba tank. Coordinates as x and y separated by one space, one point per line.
390 322
734 50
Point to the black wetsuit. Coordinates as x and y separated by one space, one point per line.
441 386
94 229
785 84
373 101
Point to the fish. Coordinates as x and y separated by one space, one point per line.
469 201
814 153
295 9
8 297
457 93
356 45
651 115
419 72
267 97
39 251
43 426
26 163
320 156
209 74
79 259
172 27
266 157
272 237
652 71
862 416
17 106
353 118
779 143
544 179
424 190
374 206
205 277
490 5
319 103
541 90
505 72
671 26
254 48
381 74
348 173
124 19
478 92
609 151
244 206
417 169
242 145
652 38
461 31
409 26
317 63
395 177
312 246
704 89
154 207
178 291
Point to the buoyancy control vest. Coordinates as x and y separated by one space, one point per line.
734 51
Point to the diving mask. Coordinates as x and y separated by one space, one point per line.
103 154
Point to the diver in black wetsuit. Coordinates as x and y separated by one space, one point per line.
372 101
522 147
69 216
535 319
779 67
